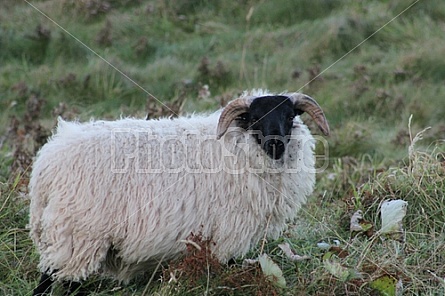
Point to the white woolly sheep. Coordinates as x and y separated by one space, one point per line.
117 197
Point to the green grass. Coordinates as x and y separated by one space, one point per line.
170 49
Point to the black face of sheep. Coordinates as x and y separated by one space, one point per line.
271 119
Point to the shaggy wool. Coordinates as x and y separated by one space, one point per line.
116 197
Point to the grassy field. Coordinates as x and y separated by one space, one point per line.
370 65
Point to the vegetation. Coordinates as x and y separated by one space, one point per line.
370 64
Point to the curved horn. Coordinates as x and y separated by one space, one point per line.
230 112
307 104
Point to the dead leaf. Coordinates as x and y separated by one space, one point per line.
289 254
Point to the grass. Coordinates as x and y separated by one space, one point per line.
171 49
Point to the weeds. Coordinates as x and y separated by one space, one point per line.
26 135
420 183
200 272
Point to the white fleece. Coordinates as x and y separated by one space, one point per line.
114 197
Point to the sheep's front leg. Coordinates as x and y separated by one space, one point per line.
46 282
45 285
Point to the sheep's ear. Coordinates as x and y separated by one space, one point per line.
304 103
232 111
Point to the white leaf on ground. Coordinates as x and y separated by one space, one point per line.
272 271
323 245
393 212
248 262
358 224
335 268
333 265
355 221
328 243
288 252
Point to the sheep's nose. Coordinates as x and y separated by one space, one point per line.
274 148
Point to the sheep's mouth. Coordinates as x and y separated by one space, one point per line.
274 148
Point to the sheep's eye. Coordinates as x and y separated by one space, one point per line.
243 117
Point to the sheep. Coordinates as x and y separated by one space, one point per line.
117 197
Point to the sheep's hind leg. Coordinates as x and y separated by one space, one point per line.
45 285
